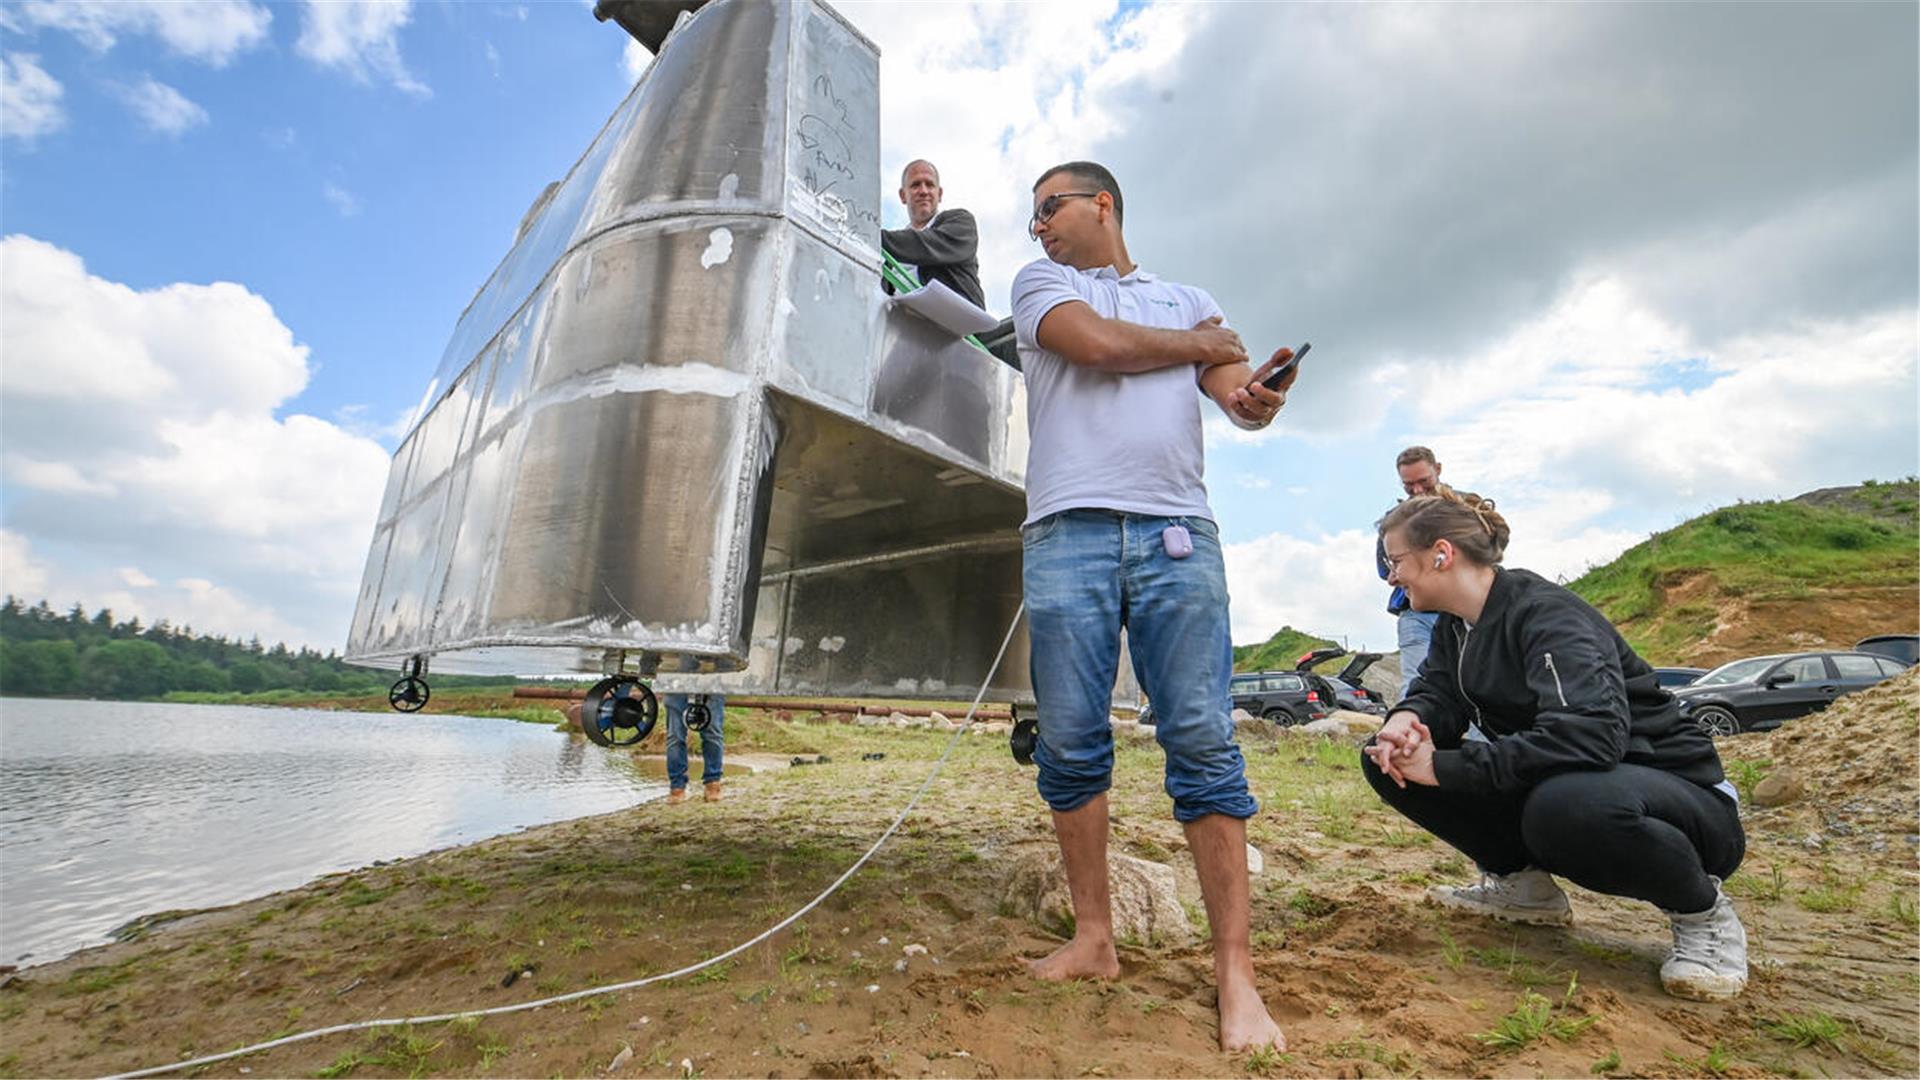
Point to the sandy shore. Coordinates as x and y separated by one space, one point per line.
1367 978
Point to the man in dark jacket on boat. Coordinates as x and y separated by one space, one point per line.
938 245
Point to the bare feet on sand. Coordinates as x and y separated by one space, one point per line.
1244 1023
1078 959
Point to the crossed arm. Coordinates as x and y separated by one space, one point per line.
1083 337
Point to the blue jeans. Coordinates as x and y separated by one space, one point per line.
1086 574
712 740
1416 635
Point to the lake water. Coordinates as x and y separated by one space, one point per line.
111 810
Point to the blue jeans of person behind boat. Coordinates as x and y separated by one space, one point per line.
712 740
1088 573
1415 631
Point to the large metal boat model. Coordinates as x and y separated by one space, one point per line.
680 438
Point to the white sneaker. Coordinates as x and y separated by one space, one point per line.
1528 896
1709 958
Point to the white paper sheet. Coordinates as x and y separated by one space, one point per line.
946 309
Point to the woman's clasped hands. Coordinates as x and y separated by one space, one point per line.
1404 750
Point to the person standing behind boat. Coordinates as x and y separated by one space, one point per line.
712 744
1588 771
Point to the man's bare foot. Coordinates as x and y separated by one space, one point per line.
1078 959
1244 1022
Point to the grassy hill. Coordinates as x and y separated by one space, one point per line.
1820 571
1278 652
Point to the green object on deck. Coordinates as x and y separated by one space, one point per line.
902 280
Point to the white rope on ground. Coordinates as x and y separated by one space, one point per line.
499 1010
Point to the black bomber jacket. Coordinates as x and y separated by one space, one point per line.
1554 687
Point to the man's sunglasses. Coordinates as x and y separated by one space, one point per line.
1050 206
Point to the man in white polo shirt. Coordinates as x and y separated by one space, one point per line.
1119 533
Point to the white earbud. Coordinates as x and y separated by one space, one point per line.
1439 561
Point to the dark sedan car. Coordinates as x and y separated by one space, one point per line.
1284 697
1765 691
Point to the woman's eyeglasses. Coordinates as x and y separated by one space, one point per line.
1050 206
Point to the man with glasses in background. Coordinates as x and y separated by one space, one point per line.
1119 534
1419 475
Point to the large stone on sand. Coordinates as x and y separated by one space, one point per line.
1146 903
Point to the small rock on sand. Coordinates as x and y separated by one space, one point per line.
1779 788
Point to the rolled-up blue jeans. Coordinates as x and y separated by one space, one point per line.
712 740
1087 574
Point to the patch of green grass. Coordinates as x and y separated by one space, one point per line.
404 1050
1753 548
94 980
718 973
1835 893
357 893
1805 1030
1745 773
1715 1062
1904 909
1355 1047
1515 965
1456 956
1535 1017
1606 1064
1266 1059
1603 952
342 1066
1769 888
1311 905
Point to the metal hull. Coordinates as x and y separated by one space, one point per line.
679 430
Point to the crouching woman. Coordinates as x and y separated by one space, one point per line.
1580 766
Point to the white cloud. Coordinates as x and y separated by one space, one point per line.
56 476
1323 585
162 108
361 38
634 59
493 59
340 199
21 574
1020 87
29 99
141 431
210 31
133 576
1590 404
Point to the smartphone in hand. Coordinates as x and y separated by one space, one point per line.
1272 381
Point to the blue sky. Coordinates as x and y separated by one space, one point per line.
1568 246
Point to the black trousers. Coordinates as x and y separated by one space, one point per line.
1626 831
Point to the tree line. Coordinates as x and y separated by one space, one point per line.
45 653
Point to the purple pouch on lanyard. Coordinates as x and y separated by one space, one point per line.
1178 541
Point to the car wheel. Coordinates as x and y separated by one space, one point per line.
1716 721
1280 717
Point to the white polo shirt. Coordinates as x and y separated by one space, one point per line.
1102 440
